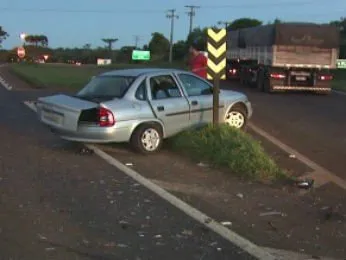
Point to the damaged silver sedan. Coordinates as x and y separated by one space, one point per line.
140 106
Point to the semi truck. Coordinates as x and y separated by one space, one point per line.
284 57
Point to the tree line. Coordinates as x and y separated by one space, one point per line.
37 45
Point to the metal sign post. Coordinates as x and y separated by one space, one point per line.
216 47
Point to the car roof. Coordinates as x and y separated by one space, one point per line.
139 71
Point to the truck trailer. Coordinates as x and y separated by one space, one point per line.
284 57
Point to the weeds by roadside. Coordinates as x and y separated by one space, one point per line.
229 148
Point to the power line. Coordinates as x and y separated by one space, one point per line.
137 39
191 13
171 15
57 10
225 23
206 7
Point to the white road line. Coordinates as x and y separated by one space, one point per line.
218 228
5 84
313 165
231 236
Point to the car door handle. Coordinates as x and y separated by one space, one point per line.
194 103
160 108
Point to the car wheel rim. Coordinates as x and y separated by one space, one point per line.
235 119
150 139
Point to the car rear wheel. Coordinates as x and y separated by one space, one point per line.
147 138
236 117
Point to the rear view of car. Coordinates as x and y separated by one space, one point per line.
86 116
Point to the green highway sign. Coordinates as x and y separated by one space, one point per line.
140 55
341 64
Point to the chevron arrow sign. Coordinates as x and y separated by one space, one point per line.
216 47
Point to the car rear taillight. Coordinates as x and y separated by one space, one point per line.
105 117
325 77
277 76
233 71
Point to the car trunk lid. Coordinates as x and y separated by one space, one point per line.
63 111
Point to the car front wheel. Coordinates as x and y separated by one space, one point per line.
147 138
236 117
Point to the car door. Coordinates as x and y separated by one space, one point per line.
200 96
168 103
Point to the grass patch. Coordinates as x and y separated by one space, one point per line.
70 77
65 77
231 149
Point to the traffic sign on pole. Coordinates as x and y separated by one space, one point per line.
140 55
21 52
341 64
216 70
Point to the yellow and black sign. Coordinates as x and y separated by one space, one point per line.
216 46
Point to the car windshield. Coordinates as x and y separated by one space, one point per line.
106 87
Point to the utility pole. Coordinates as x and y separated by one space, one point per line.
137 39
171 15
191 13
226 24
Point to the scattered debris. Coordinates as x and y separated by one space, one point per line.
124 225
202 164
86 151
158 236
110 244
41 237
272 226
240 195
129 164
305 184
207 220
226 223
187 232
271 213
213 244
292 156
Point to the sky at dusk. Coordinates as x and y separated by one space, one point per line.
73 23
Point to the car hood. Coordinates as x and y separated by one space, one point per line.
232 94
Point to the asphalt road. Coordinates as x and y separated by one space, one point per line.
58 204
313 125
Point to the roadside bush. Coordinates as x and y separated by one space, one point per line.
230 148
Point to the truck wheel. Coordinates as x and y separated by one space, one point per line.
259 82
147 138
266 85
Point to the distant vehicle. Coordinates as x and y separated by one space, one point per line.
283 57
140 106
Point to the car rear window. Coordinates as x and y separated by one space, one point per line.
106 87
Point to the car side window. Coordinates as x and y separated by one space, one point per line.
195 86
141 92
163 87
